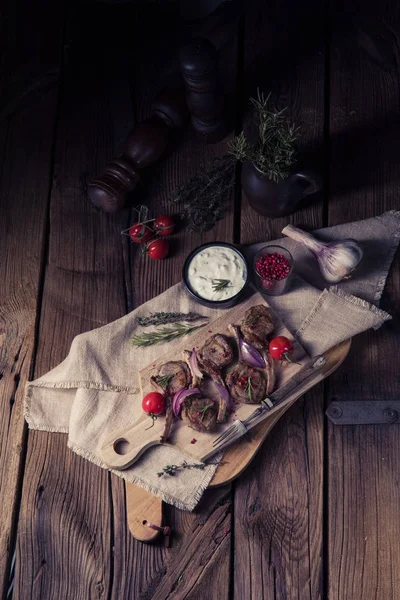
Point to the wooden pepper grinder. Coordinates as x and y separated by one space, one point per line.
199 68
143 146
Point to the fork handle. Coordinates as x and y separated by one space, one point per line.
309 369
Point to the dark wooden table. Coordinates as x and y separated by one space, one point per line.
317 514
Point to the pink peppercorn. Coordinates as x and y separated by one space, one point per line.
273 266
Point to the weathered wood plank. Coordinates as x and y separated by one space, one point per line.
364 532
278 502
152 571
29 64
65 536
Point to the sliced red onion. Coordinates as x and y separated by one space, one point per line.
225 394
194 365
250 355
180 396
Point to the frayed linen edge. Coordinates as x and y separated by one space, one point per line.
87 385
168 498
379 313
28 419
380 286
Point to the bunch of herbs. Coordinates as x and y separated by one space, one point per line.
274 151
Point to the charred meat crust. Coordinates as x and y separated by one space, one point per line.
199 413
257 325
246 384
217 350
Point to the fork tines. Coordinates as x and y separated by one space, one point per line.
237 429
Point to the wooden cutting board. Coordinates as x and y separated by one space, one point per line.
126 446
143 507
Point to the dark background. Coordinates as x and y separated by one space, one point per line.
316 514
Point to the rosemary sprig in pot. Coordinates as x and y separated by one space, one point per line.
274 152
163 318
165 334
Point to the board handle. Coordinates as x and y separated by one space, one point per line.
121 449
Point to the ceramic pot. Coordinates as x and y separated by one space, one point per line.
271 199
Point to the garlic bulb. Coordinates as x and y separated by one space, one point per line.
336 259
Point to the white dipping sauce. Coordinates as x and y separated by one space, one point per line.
215 263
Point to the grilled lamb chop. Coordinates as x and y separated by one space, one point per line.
257 325
256 322
213 356
172 377
246 384
199 413
217 350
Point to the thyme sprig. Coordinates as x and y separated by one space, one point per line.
203 197
220 284
274 152
163 318
172 469
165 334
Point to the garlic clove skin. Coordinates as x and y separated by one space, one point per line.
339 259
336 260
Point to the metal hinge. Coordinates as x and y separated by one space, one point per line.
364 412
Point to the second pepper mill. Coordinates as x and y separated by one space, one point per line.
144 145
199 69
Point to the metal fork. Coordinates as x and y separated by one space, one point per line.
239 428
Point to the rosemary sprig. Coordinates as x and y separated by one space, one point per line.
250 320
249 389
203 410
163 318
165 334
220 284
172 469
163 381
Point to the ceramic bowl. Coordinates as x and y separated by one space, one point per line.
228 302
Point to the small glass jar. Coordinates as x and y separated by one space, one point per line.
278 283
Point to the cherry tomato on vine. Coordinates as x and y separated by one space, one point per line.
140 233
281 348
158 249
164 225
153 404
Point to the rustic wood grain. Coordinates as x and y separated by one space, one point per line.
278 501
65 534
363 499
145 570
28 106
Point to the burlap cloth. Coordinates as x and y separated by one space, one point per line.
95 390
